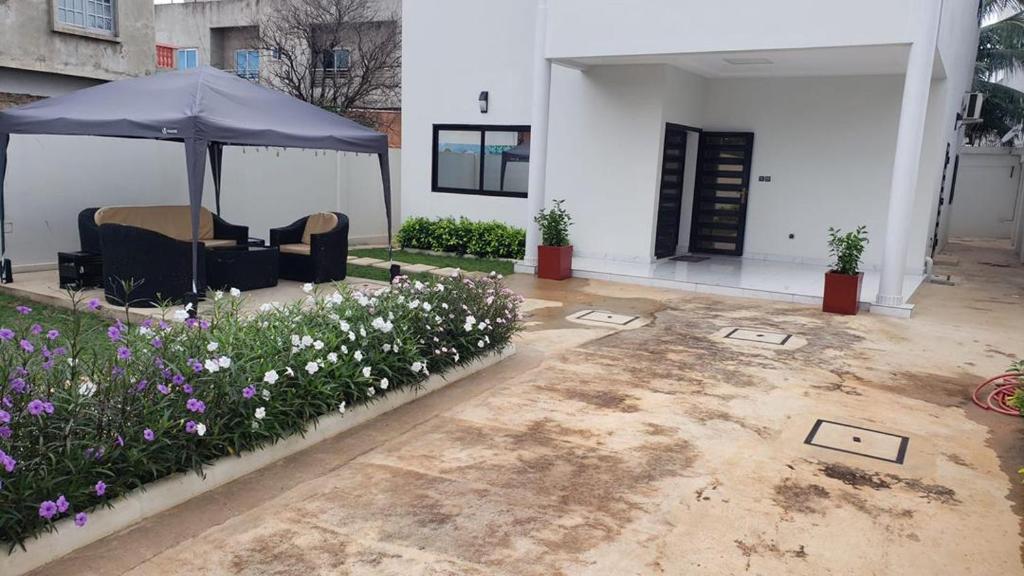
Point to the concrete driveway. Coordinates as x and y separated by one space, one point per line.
665 449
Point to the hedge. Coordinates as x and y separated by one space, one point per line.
491 239
84 420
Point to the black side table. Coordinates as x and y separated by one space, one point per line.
78 270
242 267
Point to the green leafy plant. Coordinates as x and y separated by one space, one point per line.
463 236
90 411
554 225
846 249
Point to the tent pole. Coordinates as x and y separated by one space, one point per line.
5 264
195 161
385 176
216 165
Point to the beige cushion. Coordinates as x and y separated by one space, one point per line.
214 243
318 224
294 249
173 221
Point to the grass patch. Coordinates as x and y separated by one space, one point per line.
94 326
468 264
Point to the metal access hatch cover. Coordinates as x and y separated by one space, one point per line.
858 440
762 336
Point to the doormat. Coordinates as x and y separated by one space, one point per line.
762 336
689 258
857 440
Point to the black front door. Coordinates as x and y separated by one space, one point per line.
720 193
670 200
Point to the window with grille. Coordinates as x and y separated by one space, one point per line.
188 58
92 15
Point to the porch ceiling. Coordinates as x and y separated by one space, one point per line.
833 61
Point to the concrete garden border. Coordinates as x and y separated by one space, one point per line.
171 491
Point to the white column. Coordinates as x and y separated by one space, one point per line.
540 103
913 110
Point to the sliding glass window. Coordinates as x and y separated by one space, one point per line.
483 160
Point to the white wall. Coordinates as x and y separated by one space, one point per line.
453 50
827 143
50 179
987 194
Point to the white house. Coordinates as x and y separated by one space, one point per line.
783 118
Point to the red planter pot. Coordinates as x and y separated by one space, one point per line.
842 293
554 262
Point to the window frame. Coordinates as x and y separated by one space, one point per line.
177 54
85 30
249 74
483 129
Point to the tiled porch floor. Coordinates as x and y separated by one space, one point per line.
734 276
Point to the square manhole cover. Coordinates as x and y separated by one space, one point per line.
857 440
607 317
762 336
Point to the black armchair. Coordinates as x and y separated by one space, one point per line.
224 230
313 248
159 266
89 231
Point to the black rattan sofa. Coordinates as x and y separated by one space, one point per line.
313 248
151 247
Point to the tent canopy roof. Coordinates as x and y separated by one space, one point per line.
202 104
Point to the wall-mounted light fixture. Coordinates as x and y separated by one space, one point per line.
484 97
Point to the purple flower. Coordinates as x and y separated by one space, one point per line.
23 309
196 365
6 400
48 509
195 405
60 351
124 353
27 346
142 385
190 426
114 333
93 305
62 504
18 385
80 519
101 488
163 389
48 365
6 334
164 326
36 407
8 462
119 440
36 329
191 322
117 371
148 322
53 334
178 379
248 392
156 342
48 407
204 324
5 432
148 435
5 416
187 388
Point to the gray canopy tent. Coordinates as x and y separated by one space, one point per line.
203 108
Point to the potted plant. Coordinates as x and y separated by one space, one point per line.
554 255
843 280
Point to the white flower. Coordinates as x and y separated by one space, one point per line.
371 391
332 357
201 429
482 325
344 326
188 307
270 376
235 292
344 349
312 367
180 315
265 394
87 388
386 347
296 340
261 412
358 355
288 370
414 304
351 336
384 383
341 407
212 346
224 362
335 298
218 294
212 365
362 332
145 330
480 343
416 366
255 425
307 287
382 325
307 340
366 371
266 307
318 345
427 306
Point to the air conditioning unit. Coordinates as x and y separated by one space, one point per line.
972 107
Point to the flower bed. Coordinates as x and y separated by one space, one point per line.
80 425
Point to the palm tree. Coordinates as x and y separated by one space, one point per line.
1000 54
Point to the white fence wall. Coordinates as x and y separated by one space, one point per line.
51 178
985 203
